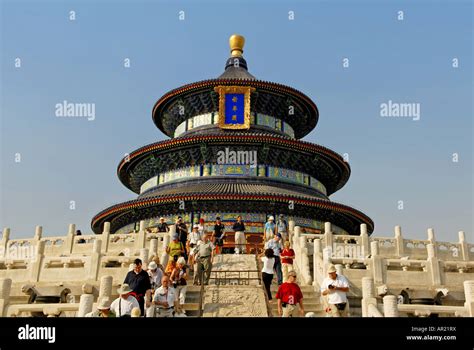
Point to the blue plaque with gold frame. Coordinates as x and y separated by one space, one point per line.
234 106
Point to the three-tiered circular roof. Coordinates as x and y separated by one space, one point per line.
257 193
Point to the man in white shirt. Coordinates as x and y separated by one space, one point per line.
334 288
165 299
123 305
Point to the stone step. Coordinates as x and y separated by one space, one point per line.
191 306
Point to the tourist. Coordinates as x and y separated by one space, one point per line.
267 270
270 229
156 274
204 256
135 312
282 227
275 245
240 242
103 309
156 259
175 249
139 281
163 226
289 295
80 240
165 299
123 305
182 231
287 256
218 235
335 287
194 237
178 281
201 227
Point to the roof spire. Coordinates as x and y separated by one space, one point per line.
236 43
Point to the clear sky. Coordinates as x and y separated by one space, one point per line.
82 61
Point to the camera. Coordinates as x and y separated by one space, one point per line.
331 286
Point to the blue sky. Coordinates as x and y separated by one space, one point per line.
392 159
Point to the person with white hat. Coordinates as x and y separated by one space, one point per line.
103 309
123 305
334 288
155 274
270 228
163 226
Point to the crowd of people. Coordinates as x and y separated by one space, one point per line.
160 291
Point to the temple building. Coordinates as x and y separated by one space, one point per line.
234 149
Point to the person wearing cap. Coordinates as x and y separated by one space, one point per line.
218 235
139 281
163 226
282 227
156 274
193 239
289 295
165 299
240 241
204 256
287 257
334 288
275 245
103 309
270 228
178 280
123 305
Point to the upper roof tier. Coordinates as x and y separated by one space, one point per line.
282 102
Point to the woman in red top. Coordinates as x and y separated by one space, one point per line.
287 256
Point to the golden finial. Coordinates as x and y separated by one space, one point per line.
236 43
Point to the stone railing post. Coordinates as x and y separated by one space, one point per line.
297 246
37 261
304 267
144 257
316 259
153 247
85 304
399 243
469 294
105 237
377 263
4 241
390 306
364 240
328 235
95 260
166 241
141 239
431 236
368 295
5 289
38 233
433 265
69 242
463 246
291 231
105 289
